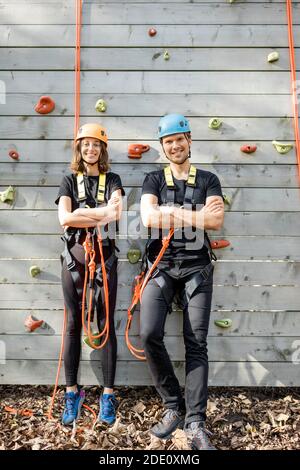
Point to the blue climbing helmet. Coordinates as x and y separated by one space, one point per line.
173 124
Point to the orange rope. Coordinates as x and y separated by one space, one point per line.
293 81
77 65
138 292
59 363
90 268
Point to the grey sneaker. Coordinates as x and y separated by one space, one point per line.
198 436
171 420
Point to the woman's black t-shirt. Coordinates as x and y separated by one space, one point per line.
68 187
181 247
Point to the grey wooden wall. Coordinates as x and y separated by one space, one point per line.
218 67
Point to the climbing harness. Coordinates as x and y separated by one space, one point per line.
148 268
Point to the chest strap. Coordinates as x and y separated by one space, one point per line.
101 188
189 186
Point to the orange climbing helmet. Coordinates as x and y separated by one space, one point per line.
92 130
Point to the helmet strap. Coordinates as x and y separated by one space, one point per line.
90 164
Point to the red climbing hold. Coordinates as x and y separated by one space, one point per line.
45 105
136 150
216 244
13 154
152 32
31 324
248 148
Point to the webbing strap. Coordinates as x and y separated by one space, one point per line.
101 187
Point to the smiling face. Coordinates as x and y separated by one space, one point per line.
177 147
90 150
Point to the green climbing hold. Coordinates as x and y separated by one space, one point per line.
100 106
224 323
8 195
215 123
281 147
166 55
227 199
134 255
273 56
34 271
95 342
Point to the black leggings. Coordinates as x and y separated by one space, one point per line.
196 315
72 348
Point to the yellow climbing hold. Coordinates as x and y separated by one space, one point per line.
34 271
224 323
166 55
101 106
215 123
281 147
227 199
8 195
273 56
134 255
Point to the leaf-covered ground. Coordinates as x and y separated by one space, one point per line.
240 418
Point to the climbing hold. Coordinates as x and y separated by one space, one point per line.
273 56
227 199
45 105
32 324
216 244
8 195
282 147
224 323
166 55
34 271
248 148
101 106
13 154
134 255
136 150
215 123
95 342
152 32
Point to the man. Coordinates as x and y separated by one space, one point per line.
187 200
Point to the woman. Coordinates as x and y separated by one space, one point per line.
87 202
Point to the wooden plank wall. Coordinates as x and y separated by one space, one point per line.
218 67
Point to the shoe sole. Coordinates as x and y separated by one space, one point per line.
168 436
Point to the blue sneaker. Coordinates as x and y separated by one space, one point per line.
74 402
108 406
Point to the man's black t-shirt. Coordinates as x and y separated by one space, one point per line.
181 247
68 187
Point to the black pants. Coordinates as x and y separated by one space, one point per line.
196 314
72 348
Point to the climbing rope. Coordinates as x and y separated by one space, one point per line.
141 282
77 65
293 80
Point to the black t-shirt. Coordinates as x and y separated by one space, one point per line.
181 246
68 187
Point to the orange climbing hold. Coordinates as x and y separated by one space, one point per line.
136 150
216 244
248 148
45 105
13 154
31 324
